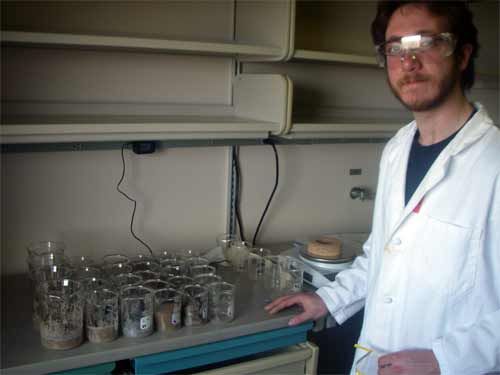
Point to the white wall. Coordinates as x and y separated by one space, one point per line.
181 193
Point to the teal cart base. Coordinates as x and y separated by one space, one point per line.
101 369
205 354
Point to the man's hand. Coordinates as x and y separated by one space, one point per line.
313 306
417 362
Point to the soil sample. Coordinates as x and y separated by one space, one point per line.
102 334
58 340
168 317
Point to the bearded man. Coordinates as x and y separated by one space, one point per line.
429 277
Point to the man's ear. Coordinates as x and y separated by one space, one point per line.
464 56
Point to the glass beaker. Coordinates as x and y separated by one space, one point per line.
272 275
155 284
115 258
145 265
80 261
238 253
292 279
171 268
195 261
46 259
202 270
94 283
102 312
207 279
178 282
147 275
224 241
168 309
61 314
257 263
195 305
137 310
167 254
85 272
38 247
221 296
125 280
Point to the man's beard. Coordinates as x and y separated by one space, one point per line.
445 87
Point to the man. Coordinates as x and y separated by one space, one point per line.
430 274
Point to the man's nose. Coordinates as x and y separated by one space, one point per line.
409 61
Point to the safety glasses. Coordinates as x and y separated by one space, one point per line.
442 44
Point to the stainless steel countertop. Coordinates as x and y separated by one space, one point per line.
22 351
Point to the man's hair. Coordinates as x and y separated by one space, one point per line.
456 13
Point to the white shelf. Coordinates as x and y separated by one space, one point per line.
55 129
260 106
137 44
344 130
323 56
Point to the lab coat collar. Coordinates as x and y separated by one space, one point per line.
471 132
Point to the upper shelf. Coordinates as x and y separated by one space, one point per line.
261 105
339 32
243 29
332 31
138 44
322 56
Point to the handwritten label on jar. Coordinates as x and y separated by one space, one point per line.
145 323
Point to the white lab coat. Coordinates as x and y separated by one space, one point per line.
431 279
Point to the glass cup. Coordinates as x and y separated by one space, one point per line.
257 263
147 275
94 283
116 258
140 257
207 279
80 261
195 261
113 269
293 275
202 270
221 297
195 305
167 254
178 282
238 253
38 247
145 265
45 259
102 314
224 241
168 309
172 268
61 314
137 311
86 272
188 253
272 275
44 274
283 275
125 280
156 284
55 272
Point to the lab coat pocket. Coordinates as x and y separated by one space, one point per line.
449 256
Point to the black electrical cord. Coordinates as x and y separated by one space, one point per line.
133 201
237 170
272 193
